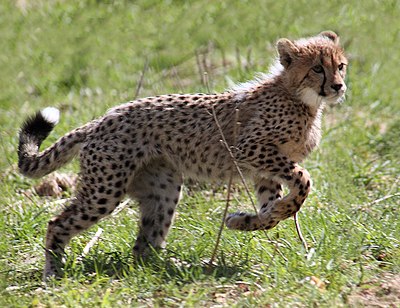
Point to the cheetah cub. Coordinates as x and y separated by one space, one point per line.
144 148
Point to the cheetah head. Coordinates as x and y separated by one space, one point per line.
314 68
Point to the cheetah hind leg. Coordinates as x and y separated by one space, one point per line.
76 218
157 188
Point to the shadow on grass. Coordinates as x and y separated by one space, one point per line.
162 265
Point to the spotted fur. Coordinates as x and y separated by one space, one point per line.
144 148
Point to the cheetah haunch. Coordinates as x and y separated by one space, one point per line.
143 148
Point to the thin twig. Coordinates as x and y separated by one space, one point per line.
206 82
238 59
297 224
221 227
239 171
228 195
141 79
248 59
200 69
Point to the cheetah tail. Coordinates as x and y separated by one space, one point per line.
34 131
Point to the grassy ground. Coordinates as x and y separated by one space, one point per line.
85 57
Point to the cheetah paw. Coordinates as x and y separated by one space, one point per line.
237 221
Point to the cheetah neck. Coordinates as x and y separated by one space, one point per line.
314 131
312 100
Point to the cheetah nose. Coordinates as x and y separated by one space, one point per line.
337 86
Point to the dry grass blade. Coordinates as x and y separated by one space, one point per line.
297 224
384 198
141 79
91 243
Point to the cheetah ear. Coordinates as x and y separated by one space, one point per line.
331 35
287 51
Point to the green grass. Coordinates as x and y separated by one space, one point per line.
86 57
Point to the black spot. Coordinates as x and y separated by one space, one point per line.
298 205
262 189
102 210
147 222
102 201
58 240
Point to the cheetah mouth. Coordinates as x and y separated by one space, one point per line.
335 98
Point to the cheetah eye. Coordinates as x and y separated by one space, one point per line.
318 69
341 66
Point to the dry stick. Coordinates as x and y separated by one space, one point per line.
199 67
238 60
206 82
224 142
228 195
140 83
296 223
239 171
224 63
248 59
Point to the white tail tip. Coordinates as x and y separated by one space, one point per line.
51 114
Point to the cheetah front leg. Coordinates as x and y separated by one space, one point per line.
274 209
